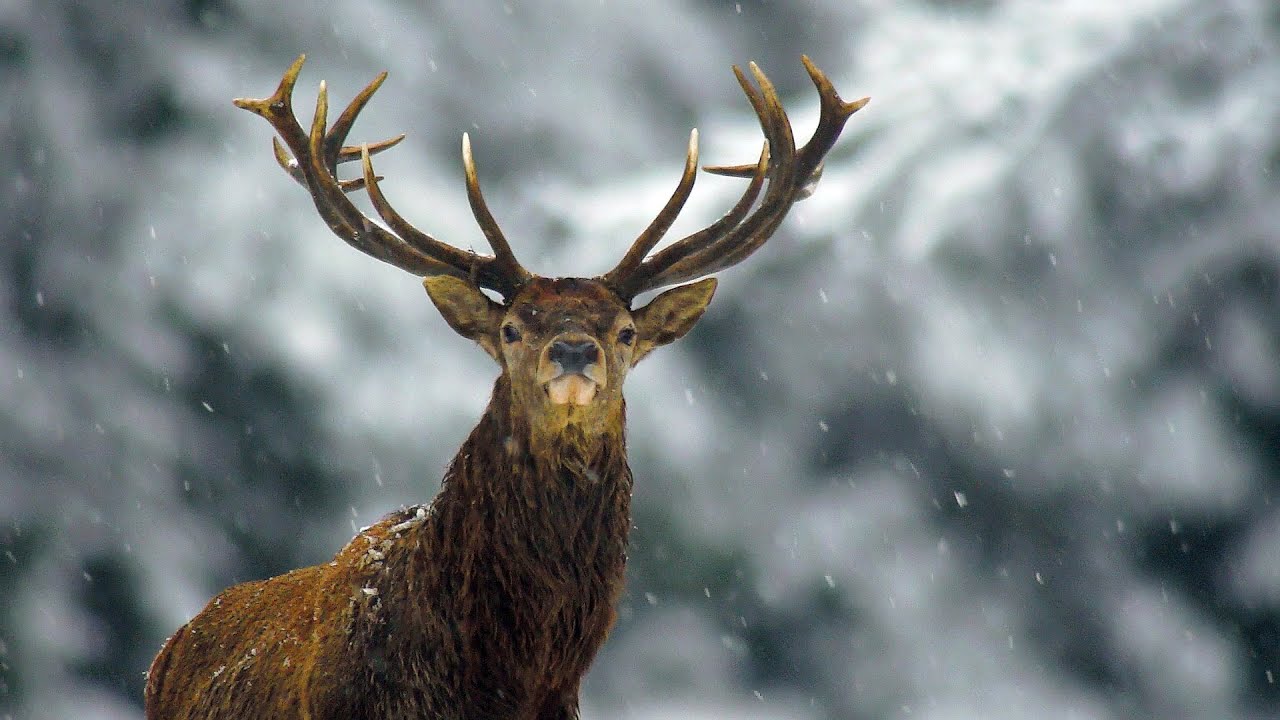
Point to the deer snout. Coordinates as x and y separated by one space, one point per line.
574 356
572 369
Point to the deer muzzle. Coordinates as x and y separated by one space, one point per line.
572 369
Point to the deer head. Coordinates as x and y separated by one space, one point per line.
565 345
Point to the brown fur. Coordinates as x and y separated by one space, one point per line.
490 602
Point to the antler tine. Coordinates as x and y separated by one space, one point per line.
664 258
685 258
339 212
337 133
735 244
346 154
833 113
790 173
335 153
316 155
653 234
454 257
366 237
773 121
504 258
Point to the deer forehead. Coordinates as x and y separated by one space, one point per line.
552 303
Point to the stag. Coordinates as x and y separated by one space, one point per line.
492 600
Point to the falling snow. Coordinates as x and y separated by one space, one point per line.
1053 287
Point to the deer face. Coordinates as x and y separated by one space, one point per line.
566 344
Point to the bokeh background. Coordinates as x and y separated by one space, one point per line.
990 429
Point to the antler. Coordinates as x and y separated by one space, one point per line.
314 164
791 174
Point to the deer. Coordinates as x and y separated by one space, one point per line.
492 600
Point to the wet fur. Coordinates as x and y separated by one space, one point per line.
489 603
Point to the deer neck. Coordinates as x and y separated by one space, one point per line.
530 542
507 584
537 508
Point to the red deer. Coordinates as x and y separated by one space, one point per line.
491 601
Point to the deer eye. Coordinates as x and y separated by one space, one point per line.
510 333
627 335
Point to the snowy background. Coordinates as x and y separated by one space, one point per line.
991 428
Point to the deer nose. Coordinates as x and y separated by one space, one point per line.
574 356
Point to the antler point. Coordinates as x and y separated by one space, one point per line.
370 179
468 160
291 75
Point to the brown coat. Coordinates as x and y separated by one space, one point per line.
489 603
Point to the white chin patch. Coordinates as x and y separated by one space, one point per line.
571 389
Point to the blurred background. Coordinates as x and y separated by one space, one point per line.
990 429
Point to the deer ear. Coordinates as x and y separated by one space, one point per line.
468 311
670 315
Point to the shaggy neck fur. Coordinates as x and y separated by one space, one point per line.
513 573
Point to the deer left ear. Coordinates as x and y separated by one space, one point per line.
468 311
670 315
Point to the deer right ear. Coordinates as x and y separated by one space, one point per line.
468 311
670 315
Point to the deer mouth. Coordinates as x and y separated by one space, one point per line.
572 369
571 389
